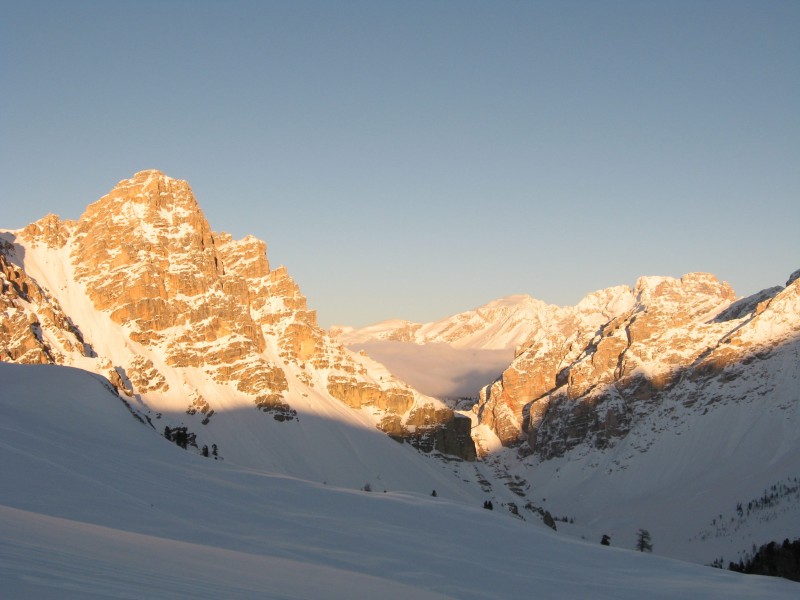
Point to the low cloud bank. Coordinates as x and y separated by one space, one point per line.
439 370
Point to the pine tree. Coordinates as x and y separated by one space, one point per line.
643 543
180 437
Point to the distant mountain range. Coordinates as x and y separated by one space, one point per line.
672 405
458 355
498 325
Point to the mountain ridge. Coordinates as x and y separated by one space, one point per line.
187 321
196 331
677 400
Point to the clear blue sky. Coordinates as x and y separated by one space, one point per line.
413 159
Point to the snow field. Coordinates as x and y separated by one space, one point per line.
96 504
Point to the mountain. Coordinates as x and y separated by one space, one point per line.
455 356
672 405
498 325
196 330
502 324
590 382
681 413
95 504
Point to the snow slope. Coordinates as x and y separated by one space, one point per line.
96 504
695 476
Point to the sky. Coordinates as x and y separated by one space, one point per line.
416 159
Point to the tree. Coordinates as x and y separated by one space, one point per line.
205 451
606 541
774 559
643 542
213 449
168 433
180 437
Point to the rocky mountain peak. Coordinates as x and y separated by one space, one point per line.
588 384
608 302
49 230
668 293
170 308
153 206
149 185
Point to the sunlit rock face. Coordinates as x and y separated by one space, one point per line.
33 328
166 304
587 382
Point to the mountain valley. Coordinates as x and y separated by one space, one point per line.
671 405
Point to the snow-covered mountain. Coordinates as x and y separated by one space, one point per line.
196 330
500 324
456 356
672 405
590 382
96 504
668 404
682 412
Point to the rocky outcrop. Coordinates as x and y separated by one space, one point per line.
145 255
357 394
49 231
589 385
429 428
539 365
33 328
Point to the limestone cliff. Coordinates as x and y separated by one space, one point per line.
180 315
34 329
591 381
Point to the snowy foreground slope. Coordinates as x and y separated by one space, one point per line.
95 504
